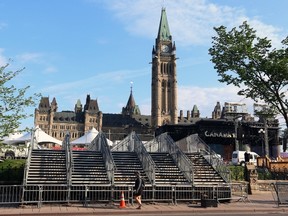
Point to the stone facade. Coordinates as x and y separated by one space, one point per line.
76 122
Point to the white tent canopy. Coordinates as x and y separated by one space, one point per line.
87 138
40 136
43 137
10 139
109 142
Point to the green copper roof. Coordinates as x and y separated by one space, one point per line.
195 109
78 104
164 32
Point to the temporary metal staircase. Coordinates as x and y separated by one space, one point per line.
172 165
207 166
126 165
88 168
167 172
160 161
47 167
204 173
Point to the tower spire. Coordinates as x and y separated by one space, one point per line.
164 32
131 87
131 107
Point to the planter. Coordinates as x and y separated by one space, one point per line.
209 203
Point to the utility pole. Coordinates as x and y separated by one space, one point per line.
266 140
263 111
262 136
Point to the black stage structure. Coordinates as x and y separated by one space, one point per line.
225 136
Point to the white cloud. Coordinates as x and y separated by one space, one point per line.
190 21
265 30
204 98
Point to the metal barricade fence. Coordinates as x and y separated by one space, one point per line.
85 194
281 190
183 193
39 194
90 193
223 192
240 190
10 194
160 193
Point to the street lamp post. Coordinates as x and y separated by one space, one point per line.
236 125
262 133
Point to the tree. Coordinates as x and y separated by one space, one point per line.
250 63
13 102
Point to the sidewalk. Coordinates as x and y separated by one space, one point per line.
258 202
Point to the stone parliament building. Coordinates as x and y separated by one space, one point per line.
223 132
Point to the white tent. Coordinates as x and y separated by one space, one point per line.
87 138
10 139
109 142
40 135
43 137
24 138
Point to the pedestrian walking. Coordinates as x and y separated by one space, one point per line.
138 189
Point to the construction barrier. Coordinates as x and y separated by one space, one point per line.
44 194
281 191
240 191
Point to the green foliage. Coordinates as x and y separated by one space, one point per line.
13 102
264 174
12 171
249 62
237 173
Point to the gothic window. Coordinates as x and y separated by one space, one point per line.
166 68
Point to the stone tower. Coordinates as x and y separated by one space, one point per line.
164 77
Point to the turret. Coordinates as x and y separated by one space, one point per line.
131 107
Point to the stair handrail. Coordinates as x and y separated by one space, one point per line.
123 144
181 159
28 161
69 158
196 144
148 164
100 144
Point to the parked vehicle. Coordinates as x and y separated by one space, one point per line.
238 157
12 151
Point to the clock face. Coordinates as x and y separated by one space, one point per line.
164 48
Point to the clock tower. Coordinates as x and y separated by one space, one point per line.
164 77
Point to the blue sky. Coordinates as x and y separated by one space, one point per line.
71 48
